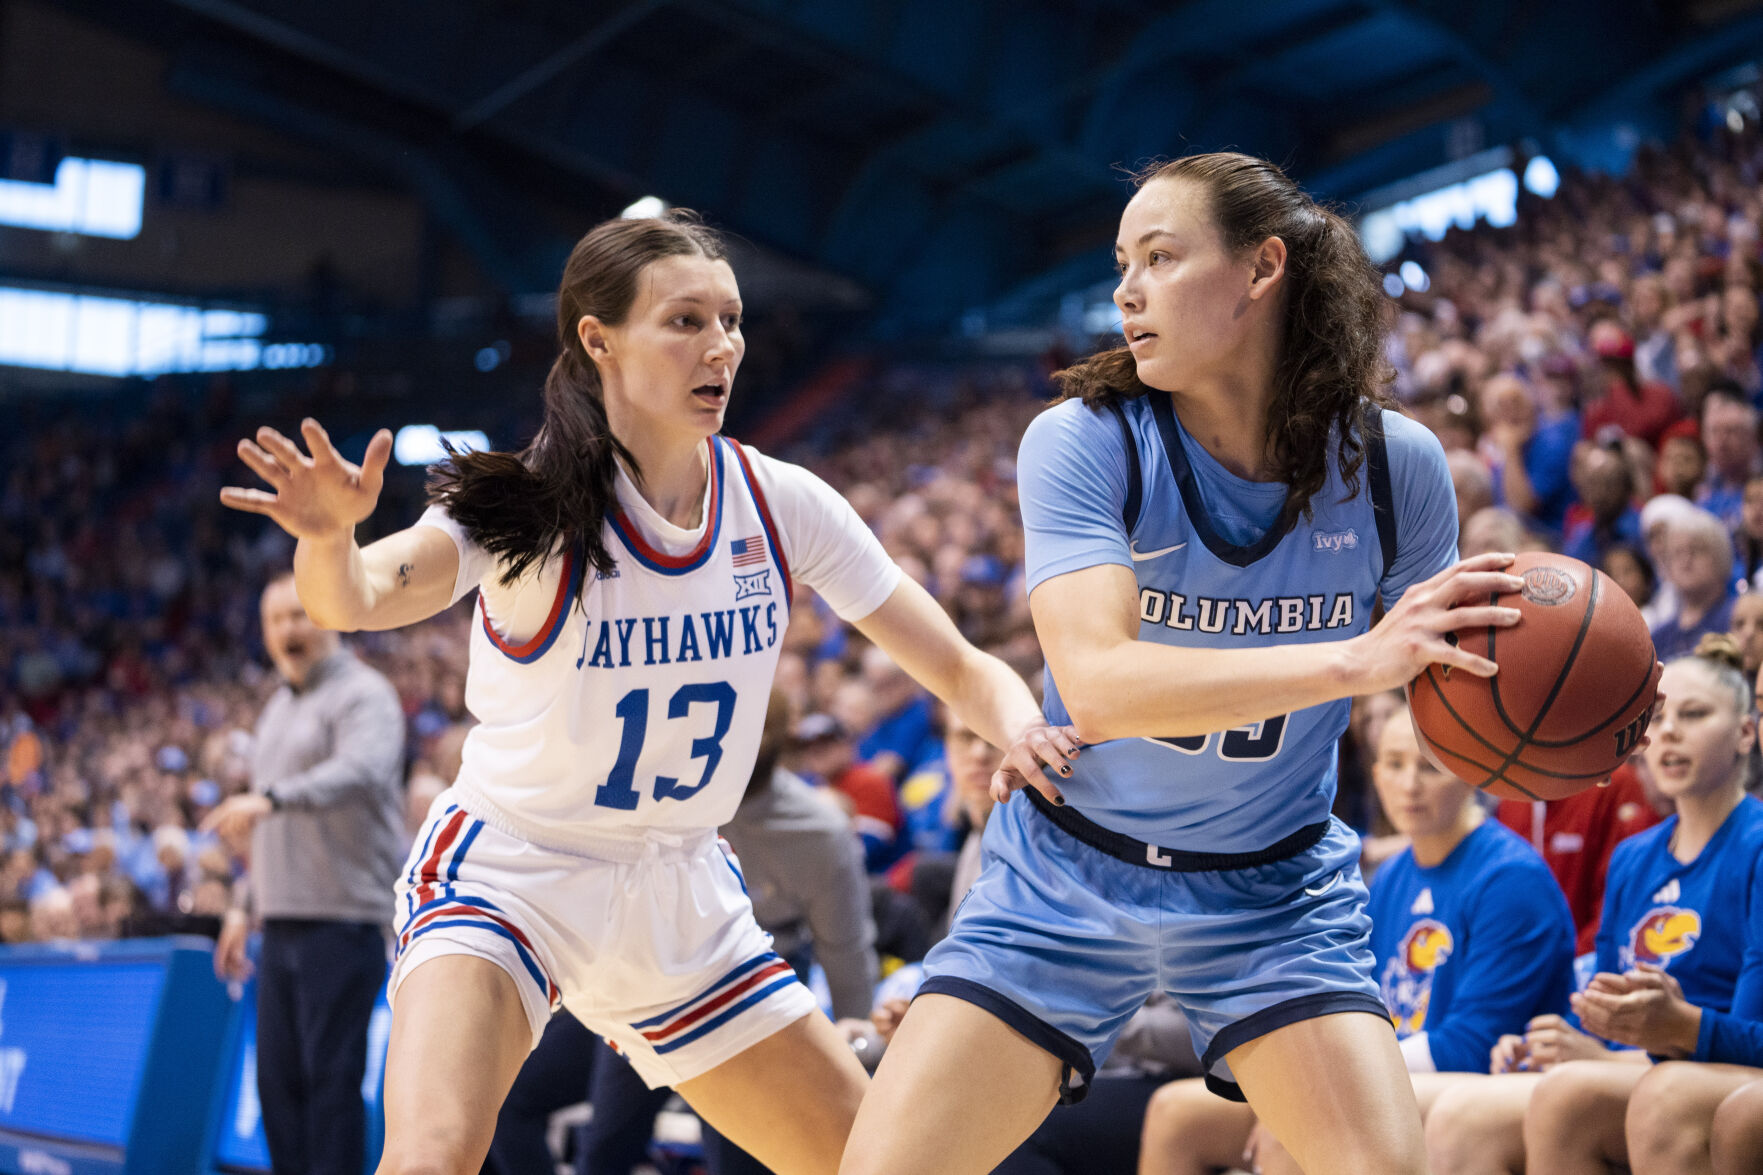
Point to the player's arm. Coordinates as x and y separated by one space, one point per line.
320 499
1117 686
984 692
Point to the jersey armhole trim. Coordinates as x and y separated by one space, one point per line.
1377 477
540 642
765 520
1129 511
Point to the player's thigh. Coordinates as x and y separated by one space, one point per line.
1670 1119
1334 1091
957 1091
1428 1086
788 1100
459 1036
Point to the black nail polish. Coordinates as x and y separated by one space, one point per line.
1059 800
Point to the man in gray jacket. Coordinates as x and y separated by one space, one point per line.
324 817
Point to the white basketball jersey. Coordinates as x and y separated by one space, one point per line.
639 705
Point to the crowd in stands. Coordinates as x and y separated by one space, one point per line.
1594 374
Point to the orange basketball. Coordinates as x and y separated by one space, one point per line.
1572 697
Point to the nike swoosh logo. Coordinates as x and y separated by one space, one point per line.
1139 556
1317 891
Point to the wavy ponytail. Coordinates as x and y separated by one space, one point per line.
525 507
1331 361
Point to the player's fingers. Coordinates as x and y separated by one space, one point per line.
1481 616
251 501
373 462
1546 1020
1051 753
282 449
1469 584
318 442
1458 658
262 464
1066 740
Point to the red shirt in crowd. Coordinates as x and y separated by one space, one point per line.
1645 415
874 810
1575 836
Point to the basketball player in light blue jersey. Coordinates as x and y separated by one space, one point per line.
1211 514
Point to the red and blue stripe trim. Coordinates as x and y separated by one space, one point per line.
540 642
765 520
478 914
657 560
752 982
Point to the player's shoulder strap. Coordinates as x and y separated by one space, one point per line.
1129 511
1377 479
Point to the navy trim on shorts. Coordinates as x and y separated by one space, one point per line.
1064 1048
1148 856
1304 1007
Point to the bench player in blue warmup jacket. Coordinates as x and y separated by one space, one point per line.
1211 516
1674 948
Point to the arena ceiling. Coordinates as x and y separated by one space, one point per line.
946 155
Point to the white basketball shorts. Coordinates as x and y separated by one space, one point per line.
650 943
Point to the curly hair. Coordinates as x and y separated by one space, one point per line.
1331 363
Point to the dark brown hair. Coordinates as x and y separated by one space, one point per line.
1331 361
522 507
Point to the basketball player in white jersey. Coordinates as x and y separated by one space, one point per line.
634 572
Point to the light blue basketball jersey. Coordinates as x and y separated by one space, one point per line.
1213 572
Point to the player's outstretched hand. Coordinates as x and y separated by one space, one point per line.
1037 749
1415 633
313 497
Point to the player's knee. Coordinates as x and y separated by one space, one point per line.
1457 1128
1559 1105
1174 1111
1737 1130
1661 1137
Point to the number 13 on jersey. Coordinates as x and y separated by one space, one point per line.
619 790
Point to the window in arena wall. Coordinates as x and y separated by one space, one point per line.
95 334
94 197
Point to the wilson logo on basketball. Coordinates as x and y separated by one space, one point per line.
1548 585
1630 735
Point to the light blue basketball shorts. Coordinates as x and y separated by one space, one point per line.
1064 938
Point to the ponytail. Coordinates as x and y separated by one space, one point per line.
525 507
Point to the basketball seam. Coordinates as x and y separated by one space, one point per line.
1620 710
1525 737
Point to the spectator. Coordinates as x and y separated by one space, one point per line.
1682 461
1633 573
1619 396
1698 566
900 738
826 755
1749 539
1494 528
1606 514
1747 631
1471 480
1729 429
325 823
1529 456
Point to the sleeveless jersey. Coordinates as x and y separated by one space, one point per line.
1215 571
638 705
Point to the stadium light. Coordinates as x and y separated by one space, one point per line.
1541 177
644 209
1415 277
420 444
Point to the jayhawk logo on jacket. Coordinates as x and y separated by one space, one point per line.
1407 976
1662 934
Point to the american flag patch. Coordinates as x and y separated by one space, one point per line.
748 552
